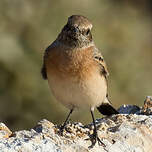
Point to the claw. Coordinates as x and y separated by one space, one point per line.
100 142
61 129
63 126
94 138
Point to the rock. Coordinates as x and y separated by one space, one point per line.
147 108
4 131
133 109
129 109
120 133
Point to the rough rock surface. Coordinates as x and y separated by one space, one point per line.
130 131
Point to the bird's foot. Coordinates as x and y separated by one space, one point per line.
94 138
61 130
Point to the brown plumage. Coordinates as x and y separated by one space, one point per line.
76 71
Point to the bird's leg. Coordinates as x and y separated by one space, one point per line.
65 122
94 137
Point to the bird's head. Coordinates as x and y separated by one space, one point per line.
77 31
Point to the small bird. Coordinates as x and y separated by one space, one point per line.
76 71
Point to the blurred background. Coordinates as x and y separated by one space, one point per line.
122 31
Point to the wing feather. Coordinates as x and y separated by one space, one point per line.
99 58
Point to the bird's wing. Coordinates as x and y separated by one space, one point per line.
46 54
106 107
43 69
99 58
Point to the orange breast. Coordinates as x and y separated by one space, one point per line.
66 63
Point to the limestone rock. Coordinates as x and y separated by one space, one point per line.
4 131
127 132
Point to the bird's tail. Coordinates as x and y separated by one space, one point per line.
107 109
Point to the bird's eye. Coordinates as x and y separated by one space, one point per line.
88 32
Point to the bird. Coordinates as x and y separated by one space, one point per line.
76 71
